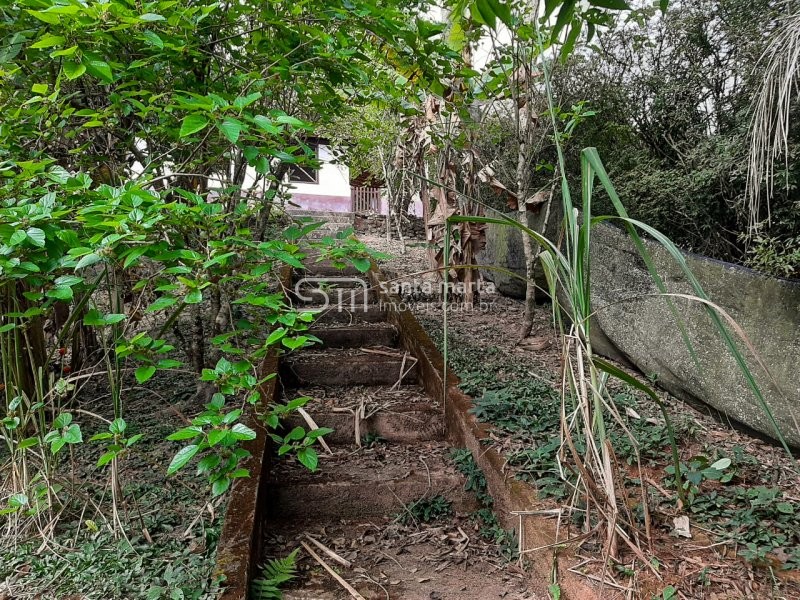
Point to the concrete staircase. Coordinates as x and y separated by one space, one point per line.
335 222
388 453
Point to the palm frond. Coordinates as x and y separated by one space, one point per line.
769 126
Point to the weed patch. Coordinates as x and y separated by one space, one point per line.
427 510
490 530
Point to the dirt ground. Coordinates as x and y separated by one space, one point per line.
424 561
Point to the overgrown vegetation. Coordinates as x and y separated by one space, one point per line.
727 489
426 510
143 158
490 527
672 97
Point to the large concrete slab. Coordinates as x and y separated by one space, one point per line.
634 325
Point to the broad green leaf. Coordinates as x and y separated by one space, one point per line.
133 256
36 236
152 38
231 129
276 335
564 16
266 125
98 68
187 433
62 420
88 260
73 434
17 237
209 462
215 436
183 456
133 439
244 101
220 486
194 296
293 121
48 41
73 70
118 426
243 432
47 17
721 464
17 500
28 443
60 293
65 52
143 374
232 416
298 433
106 458
503 11
308 457
161 303
362 264
293 343
69 280
192 124
550 6
151 17
93 317
572 37
317 433
39 88
484 12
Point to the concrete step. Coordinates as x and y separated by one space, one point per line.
347 367
345 294
380 480
405 415
326 268
356 336
372 313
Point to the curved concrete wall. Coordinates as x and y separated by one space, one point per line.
643 330
640 330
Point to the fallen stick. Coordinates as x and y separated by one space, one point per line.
393 354
310 422
342 561
351 590
405 372
601 580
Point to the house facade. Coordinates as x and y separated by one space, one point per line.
326 189
329 189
